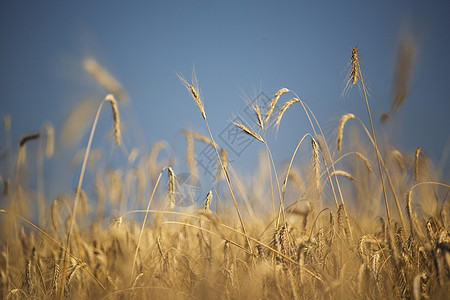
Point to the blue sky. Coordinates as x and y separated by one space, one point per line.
238 48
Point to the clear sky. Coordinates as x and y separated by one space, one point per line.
238 48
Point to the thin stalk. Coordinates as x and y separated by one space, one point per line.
143 223
375 145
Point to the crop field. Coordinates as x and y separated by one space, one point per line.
346 217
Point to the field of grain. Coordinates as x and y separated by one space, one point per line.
356 219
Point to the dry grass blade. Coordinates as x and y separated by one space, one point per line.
340 133
249 132
283 110
110 98
274 102
194 92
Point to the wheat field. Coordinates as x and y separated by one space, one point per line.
354 218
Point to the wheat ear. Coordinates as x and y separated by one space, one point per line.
274 102
249 131
110 98
194 92
340 133
171 190
286 105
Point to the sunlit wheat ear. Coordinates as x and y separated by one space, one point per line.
365 161
106 80
343 173
353 74
259 116
208 200
110 98
340 132
274 102
283 110
249 132
194 92
315 157
171 190
416 163
50 140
